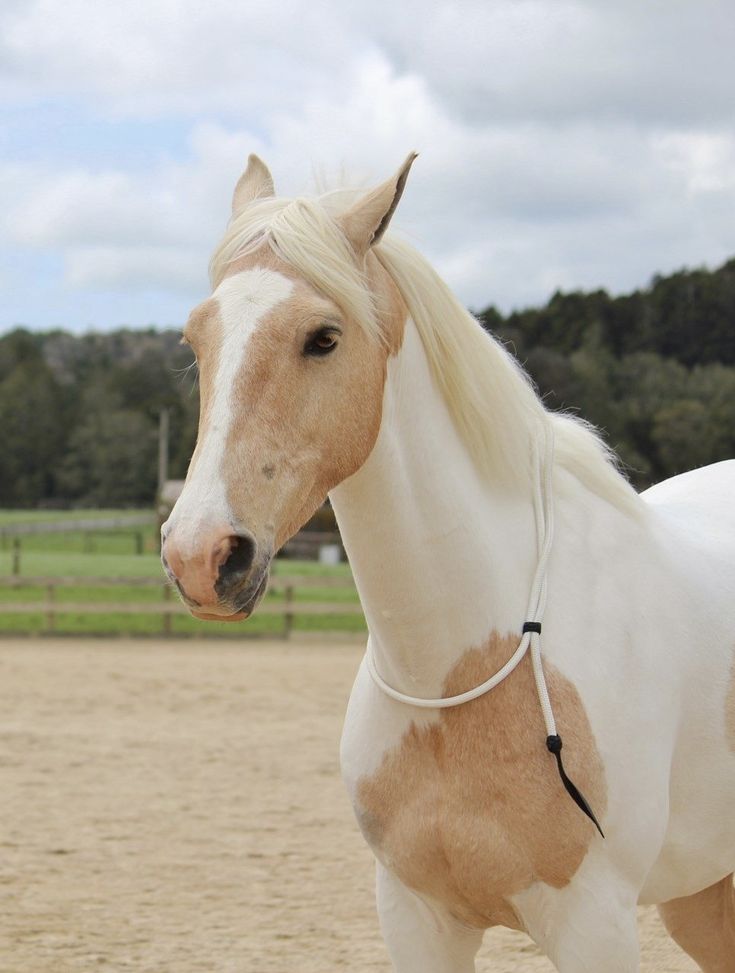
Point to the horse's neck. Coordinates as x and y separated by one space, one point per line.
440 559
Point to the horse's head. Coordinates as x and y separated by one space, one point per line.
292 349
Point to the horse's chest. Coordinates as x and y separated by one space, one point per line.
469 810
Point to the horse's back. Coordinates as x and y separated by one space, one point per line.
694 514
699 503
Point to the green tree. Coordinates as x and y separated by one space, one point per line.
33 423
111 453
682 435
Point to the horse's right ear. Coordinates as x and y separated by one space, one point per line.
365 223
255 183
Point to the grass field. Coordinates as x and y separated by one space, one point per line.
112 554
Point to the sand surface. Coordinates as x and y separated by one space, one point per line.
177 808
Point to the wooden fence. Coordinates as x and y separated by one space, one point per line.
285 605
83 524
12 535
306 544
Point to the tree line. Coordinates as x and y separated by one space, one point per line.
79 416
655 370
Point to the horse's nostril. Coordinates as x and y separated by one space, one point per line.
240 559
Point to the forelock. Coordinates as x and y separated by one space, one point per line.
306 236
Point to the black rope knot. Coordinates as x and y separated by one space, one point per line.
553 744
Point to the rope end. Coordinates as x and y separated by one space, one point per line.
554 745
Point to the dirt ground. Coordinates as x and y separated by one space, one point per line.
177 808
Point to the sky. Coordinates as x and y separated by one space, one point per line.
563 144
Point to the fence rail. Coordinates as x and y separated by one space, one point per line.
284 586
25 528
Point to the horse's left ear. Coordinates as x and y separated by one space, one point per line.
255 183
366 222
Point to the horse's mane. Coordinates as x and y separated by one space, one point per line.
494 405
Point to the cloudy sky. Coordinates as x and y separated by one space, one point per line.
563 143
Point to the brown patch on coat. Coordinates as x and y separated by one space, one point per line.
730 711
470 810
704 926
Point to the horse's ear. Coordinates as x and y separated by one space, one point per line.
366 222
255 183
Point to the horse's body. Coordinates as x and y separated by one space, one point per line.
463 806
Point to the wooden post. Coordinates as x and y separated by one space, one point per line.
50 616
167 614
288 614
15 570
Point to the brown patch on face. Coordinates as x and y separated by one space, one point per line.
312 421
304 424
704 926
470 810
730 711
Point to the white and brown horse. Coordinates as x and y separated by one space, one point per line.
334 361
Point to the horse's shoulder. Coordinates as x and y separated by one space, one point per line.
469 808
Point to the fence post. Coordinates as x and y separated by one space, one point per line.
167 614
50 615
15 570
288 614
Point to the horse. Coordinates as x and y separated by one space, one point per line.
516 589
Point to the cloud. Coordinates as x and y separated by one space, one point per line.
518 60
562 143
141 267
554 62
152 57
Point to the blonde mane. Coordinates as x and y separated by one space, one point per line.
494 405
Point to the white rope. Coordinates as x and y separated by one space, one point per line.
544 515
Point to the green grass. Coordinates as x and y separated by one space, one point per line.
111 554
78 565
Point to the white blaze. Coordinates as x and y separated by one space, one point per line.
243 299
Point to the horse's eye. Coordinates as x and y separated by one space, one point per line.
322 342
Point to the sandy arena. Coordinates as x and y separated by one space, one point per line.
177 808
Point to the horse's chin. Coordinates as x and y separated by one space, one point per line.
212 617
